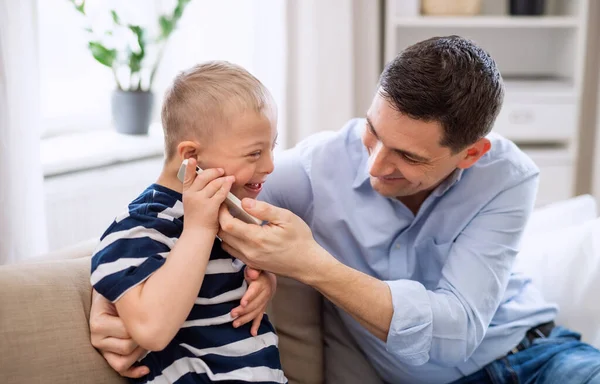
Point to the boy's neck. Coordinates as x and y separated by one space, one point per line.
168 177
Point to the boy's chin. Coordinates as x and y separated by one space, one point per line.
242 192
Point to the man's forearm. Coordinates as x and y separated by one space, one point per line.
367 299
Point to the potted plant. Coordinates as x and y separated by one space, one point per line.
133 55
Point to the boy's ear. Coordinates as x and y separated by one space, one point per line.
188 149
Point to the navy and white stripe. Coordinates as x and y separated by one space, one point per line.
207 348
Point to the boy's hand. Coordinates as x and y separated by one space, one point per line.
203 194
254 303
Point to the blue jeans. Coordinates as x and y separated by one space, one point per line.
561 358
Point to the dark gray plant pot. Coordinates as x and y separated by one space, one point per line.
132 111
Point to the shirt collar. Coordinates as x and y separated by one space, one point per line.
445 185
362 173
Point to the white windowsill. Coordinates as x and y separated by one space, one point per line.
93 149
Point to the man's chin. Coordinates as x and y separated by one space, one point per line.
389 192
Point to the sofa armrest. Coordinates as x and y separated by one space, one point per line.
44 332
75 251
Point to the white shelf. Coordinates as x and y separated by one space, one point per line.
488 21
547 89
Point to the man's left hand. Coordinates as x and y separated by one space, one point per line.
284 246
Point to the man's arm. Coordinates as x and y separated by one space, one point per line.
446 324
367 299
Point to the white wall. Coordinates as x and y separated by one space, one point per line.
334 50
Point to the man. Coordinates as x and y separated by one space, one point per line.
409 222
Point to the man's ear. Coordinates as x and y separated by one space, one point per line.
474 152
188 149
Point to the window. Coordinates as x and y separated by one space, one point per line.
76 90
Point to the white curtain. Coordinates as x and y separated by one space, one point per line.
22 219
333 62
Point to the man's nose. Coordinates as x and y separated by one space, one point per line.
378 160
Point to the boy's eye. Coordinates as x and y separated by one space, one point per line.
255 154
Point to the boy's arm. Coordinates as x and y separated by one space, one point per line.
154 294
154 310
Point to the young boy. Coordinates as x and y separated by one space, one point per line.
176 290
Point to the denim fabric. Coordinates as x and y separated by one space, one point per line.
559 359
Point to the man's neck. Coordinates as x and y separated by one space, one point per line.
414 202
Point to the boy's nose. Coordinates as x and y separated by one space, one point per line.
267 165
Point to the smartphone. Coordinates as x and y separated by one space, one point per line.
233 203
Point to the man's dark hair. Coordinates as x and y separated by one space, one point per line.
446 79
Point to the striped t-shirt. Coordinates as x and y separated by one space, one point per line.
207 348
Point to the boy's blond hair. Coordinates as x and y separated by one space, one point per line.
206 96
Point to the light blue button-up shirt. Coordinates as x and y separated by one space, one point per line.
457 303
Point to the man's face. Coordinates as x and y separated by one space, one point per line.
405 155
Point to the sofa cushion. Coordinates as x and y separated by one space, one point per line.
296 313
44 334
561 214
564 264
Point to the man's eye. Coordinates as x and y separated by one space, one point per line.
371 130
255 154
409 160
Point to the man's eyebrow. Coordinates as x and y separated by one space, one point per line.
403 152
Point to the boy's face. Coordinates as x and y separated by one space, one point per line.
244 149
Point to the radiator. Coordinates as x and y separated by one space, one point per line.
81 205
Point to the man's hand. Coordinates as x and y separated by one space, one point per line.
109 336
262 286
284 246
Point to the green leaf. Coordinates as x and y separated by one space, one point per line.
79 7
168 23
178 12
136 58
166 27
139 33
102 54
115 17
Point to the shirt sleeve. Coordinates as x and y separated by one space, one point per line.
447 324
289 185
130 251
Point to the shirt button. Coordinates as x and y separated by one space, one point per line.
397 245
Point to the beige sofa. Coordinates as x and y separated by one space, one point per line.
44 334
44 307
